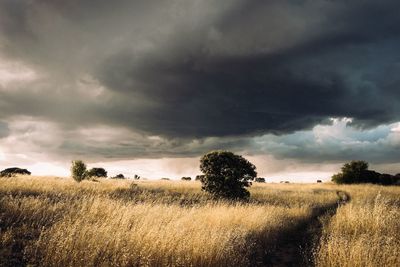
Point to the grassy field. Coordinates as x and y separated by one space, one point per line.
365 232
47 221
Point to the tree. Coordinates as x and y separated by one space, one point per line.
226 175
260 180
352 172
356 172
386 179
186 178
78 170
369 176
97 172
10 172
136 177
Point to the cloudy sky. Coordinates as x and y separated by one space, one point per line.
147 87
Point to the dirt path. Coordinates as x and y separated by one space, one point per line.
294 248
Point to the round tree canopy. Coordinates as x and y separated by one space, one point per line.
226 174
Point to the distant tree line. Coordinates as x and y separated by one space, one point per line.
227 175
79 172
356 172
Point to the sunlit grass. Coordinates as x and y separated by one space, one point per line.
47 221
365 232
118 223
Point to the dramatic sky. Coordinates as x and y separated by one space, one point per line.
146 87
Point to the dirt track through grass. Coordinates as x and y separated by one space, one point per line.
295 247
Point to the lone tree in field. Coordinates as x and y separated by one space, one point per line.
78 170
226 175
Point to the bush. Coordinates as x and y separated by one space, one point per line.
260 180
97 172
226 175
186 178
10 172
78 170
119 176
136 177
199 178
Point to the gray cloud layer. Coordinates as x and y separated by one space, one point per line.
4 131
188 70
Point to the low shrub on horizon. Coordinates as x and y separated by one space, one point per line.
13 171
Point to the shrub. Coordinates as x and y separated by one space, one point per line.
260 180
78 170
186 178
199 177
119 176
136 177
10 172
226 175
97 172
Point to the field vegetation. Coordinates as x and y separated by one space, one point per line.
365 232
49 221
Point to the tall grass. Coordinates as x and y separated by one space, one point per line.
57 222
114 234
365 232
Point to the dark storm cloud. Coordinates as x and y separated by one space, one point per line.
188 70
346 66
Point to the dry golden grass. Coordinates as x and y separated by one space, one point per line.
365 232
114 234
47 221
57 222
